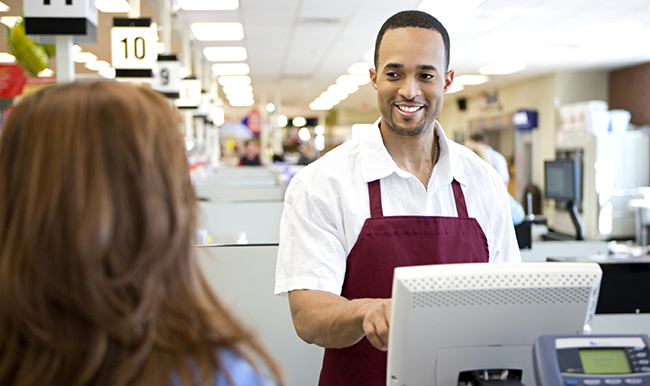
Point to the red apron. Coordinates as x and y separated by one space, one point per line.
384 244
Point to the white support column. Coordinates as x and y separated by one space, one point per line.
166 24
134 13
64 64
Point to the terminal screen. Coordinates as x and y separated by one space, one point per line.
604 361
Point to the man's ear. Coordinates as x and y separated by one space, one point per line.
449 79
373 77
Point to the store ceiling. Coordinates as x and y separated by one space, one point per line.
297 48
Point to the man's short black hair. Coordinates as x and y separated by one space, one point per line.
417 19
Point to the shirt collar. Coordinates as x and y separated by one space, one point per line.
377 162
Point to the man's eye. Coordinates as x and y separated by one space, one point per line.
427 76
392 75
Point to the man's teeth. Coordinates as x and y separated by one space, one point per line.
409 109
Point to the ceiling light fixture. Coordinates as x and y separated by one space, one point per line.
4 7
45 73
107 73
84 57
10 21
470 80
369 56
6 57
225 54
113 6
455 87
217 31
357 80
361 68
208 5
299 121
502 68
238 89
343 88
234 80
230 69
97 65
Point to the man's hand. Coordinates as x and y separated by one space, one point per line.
376 323
333 321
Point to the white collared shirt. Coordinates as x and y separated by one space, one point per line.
327 203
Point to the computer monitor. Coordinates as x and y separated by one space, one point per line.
562 183
562 180
452 318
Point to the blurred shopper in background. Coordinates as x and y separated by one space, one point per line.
99 284
497 160
516 210
251 155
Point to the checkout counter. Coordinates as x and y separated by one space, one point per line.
241 212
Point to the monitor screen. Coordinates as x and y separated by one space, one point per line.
451 318
562 180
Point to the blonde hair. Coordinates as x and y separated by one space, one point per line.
99 283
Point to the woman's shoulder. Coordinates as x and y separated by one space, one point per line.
242 372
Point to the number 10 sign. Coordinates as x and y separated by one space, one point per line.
132 47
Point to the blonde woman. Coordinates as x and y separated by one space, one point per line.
99 284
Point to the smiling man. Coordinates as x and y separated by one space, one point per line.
401 195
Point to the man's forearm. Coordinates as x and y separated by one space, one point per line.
332 321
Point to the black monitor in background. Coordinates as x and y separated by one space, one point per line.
562 180
562 183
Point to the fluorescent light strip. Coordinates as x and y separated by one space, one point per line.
225 54
208 5
502 68
113 6
10 21
97 65
361 68
234 80
83 57
230 69
471 80
217 31
4 7
357 80
238 89
6 57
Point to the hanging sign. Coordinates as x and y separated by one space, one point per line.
132 47
190 94
47 18
166 78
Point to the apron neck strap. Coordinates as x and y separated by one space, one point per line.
374 192
461 207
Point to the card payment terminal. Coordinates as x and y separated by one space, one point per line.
592 360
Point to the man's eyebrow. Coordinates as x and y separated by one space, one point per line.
393 65
399 66
427 67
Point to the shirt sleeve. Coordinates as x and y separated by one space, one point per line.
311 254
505 248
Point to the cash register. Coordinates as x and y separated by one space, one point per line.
592 360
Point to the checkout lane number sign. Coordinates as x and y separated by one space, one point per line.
132 44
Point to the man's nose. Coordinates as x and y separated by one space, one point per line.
409 88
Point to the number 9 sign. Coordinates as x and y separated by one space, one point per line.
132 44
166 78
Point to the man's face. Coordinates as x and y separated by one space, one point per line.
410 79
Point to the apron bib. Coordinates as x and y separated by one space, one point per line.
384 244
